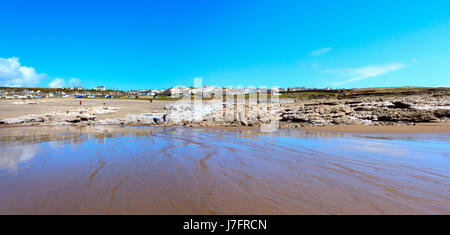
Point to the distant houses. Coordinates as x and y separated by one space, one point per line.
100 88
205 91
78 88
297 89
174 92
145 92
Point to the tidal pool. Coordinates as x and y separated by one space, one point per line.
174 170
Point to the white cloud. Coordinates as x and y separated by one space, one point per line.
57 83
321 51
357 74
75 82
14 75
12 156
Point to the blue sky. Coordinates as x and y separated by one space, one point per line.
163 43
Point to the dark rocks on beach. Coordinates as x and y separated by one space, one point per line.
442 113
371 110
405 115
379 109
401 105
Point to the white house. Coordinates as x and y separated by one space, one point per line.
100 88
175 92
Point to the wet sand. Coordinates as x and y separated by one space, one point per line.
172 170
418 128
411 129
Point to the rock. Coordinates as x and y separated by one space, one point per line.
368 110
405 115
62 118
442 113
401 105
380 109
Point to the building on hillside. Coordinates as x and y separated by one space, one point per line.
176 92
234 91
100 88
145 93
133 92
78 88
297 89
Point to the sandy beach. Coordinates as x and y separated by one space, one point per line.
17 108
393 115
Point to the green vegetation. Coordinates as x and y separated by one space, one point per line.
306 94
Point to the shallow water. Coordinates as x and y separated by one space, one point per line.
144 170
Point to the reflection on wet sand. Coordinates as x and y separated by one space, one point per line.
141 170
12 156
72 134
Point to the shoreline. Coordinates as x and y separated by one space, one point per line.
420 128
413 113
344 173
409 129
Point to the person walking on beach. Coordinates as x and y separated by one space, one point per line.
80 102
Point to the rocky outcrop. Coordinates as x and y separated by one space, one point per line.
349 110
136 119
396 110
368 110
318 114
81 115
